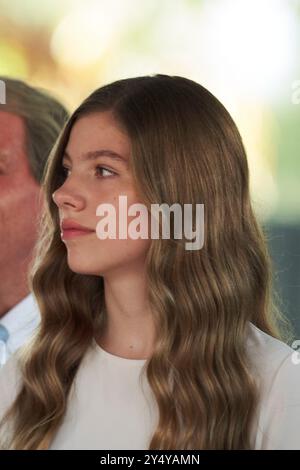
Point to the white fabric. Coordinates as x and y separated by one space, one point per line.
108 408
20 321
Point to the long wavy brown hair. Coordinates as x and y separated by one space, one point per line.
186 148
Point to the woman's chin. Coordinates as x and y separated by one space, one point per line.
83 267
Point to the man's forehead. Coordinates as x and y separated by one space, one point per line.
8 119
12 133
12 140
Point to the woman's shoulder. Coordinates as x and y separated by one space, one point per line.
266 347
277 364
277 368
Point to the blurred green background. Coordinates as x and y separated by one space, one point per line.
245 52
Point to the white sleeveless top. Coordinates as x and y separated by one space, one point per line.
111 405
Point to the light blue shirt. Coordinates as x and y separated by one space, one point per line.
17 326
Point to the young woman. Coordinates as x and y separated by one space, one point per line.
144 344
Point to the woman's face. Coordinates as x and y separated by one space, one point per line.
90 182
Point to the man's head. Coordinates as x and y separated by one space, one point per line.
30 123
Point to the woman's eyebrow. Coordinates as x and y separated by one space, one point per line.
98 153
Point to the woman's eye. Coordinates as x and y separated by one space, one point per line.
64 171
102 168
97 168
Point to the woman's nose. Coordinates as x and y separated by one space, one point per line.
62 198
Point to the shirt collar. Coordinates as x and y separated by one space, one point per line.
22 314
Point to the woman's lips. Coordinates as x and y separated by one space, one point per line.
74 232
